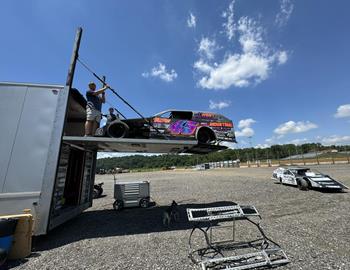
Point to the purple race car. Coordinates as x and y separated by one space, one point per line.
205 127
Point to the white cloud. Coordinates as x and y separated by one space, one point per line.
282 57
262 146
294 127
207 48
229 24
161 72
246 123
343 111
286 9
298 141
245 128
336 139
218 105
251 66
191 21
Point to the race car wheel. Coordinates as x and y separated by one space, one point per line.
280 180
3 256
117 129
144 203
303 184
95 194
205 135
118 205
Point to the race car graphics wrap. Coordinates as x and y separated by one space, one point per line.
184 127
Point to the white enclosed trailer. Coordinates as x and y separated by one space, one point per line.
46 164
38 171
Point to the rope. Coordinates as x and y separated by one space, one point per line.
119 96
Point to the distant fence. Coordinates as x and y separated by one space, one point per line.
305 161
273 163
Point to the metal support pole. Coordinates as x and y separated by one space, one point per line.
318 162
74 57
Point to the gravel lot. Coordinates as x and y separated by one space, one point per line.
312 226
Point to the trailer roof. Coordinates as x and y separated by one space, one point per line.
32 84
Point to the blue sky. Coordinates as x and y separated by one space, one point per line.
278 69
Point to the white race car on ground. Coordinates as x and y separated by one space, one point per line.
306 179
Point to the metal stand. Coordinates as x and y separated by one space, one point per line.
227 254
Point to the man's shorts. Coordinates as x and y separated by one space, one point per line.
92 114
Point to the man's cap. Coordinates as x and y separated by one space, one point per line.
92 83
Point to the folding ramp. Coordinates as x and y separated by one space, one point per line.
230 254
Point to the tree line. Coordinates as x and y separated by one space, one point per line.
275 152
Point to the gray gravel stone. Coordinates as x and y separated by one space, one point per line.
311 226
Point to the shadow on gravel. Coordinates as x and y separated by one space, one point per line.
322 190
106 223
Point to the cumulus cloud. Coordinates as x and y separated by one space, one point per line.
294 127
245 128
251 66
162 73
298 141
207 48
262 146
218 105
229 26
343 111
191 21
335 139
286 9
282 57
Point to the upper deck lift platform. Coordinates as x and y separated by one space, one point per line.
104 144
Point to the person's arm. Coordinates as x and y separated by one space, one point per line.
103 97
100 91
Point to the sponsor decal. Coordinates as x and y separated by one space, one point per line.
161 120
208 115
221 124
184 127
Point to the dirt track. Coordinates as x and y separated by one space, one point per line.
311 226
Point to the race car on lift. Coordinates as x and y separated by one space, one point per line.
306 179
205 127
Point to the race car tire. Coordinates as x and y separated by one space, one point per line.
205 136
117 129
303 184
144 203
118 205
281 180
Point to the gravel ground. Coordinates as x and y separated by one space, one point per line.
311 226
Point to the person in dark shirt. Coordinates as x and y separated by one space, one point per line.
111 116
95 99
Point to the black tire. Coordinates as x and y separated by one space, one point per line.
176 216
144 203
95 194
118 205
281 180
303 184
117 129
100 132
3 256
205 136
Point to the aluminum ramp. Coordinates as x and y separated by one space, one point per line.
231 254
